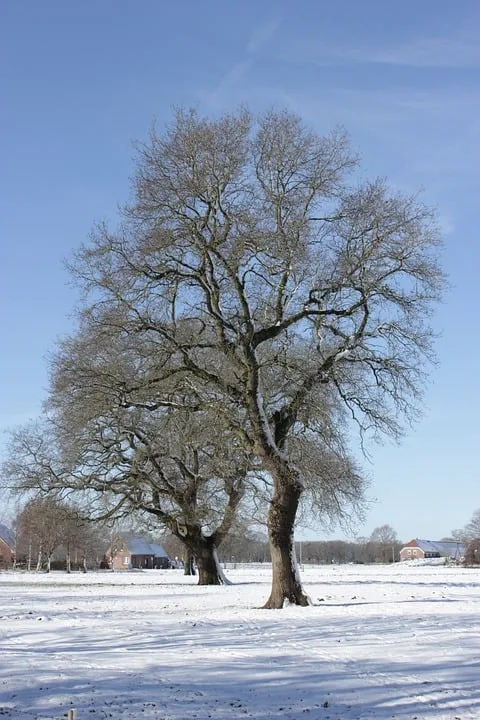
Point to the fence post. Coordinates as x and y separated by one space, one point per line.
72 714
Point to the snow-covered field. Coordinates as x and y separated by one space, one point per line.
378 642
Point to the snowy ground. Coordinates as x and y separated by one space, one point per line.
378 643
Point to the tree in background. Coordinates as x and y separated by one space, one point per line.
472 552
471 531
46 525
384 544
41 525
175 469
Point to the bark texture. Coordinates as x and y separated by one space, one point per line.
202 548
286 585
207 566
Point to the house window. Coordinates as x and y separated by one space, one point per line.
126 560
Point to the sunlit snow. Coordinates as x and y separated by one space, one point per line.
378 642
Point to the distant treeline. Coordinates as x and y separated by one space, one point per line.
255 549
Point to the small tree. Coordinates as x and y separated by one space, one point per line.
471 531
42 525
472 552
384 544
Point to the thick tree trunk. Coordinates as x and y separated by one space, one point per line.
203 549
207 565
286 584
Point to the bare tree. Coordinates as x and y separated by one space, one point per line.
384 534
383 545
273 288
175 467
42 527
471 531
278 296
81 539
472 552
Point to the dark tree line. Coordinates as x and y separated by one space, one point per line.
383 546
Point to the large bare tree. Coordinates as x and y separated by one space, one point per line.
274 287
276 290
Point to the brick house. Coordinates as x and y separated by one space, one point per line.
127 552
7 547
423 549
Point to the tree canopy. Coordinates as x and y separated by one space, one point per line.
255 283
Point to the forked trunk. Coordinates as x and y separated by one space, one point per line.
203 549
286 585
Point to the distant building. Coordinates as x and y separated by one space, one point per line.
423 549
7 547
128 552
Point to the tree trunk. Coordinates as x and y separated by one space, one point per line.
39 560
207 565
189 563
286 584
203 549
69 562
223 578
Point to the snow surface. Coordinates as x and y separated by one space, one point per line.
378 642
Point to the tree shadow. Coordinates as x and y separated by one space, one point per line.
235 668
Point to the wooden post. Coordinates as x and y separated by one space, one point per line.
72 714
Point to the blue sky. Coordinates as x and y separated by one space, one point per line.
81 80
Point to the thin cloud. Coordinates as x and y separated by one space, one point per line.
431 136
231 80
427 52
262 35
259 38
431 52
